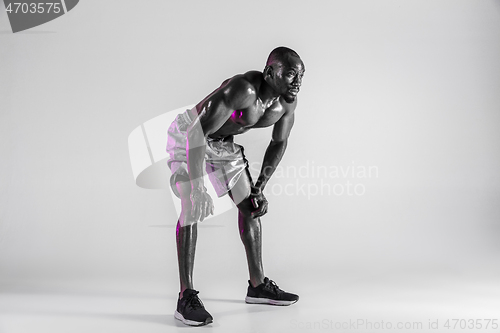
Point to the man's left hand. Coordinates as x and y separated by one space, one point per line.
259 202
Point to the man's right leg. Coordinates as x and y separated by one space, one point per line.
190 309
186 234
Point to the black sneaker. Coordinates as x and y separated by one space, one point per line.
190 309
269 293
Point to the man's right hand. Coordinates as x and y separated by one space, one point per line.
202 204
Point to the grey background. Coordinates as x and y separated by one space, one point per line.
409 87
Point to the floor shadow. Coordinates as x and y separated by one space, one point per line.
249 308
166 319
6 289
200 225
237 301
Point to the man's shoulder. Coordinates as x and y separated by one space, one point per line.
254 77
248 81
243 86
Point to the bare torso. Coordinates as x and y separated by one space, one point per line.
257 115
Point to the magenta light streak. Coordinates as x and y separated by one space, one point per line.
235 114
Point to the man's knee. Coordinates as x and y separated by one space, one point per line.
185 222
246 207
184 188
186 217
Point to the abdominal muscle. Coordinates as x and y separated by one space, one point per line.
229 128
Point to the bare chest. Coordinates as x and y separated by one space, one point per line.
256 116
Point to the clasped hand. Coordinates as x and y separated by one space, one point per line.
259 202
202 204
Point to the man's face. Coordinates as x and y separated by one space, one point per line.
288 78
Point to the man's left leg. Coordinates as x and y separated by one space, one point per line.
261 289
250 228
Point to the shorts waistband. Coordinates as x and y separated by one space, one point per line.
229 138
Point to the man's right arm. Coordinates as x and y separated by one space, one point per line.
213 112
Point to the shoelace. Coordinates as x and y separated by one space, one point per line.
193 301
272 286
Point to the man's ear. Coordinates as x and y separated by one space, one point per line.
268 72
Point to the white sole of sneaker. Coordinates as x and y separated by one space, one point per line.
180 317
257 300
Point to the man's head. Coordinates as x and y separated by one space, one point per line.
284 71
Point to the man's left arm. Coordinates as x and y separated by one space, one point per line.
272 157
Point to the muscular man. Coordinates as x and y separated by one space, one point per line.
204 135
